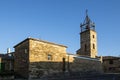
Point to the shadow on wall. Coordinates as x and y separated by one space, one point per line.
40 69
44 68
6 64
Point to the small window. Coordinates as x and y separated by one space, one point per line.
111 62
93 46
93 36
25 50
49 57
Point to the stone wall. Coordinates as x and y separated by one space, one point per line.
45 58
84 64
21 59
93 42
8 64
88 44
37 58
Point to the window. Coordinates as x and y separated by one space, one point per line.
111 62
93 46
85 47
49 57
93 36
25 50
111 68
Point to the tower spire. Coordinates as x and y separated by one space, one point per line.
87 24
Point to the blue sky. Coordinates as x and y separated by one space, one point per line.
58 21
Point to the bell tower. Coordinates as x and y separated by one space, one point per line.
88 39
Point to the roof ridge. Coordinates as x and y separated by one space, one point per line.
39 40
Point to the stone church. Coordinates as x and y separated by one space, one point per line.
35 58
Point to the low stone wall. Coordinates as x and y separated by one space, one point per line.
7 77
75 64
41 69
84 64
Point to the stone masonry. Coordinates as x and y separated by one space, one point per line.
45 58
21 56
37 58
88 44
88 39
84 64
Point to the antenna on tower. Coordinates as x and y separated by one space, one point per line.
86 12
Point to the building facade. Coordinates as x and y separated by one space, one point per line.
38 58
7 63
111 64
